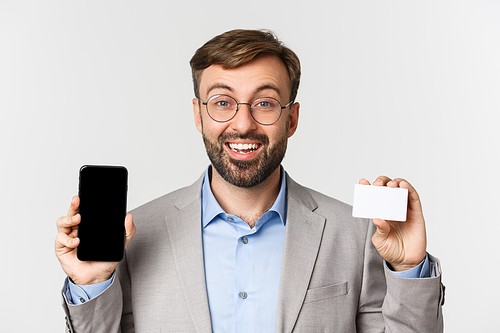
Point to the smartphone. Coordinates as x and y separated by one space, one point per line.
103 206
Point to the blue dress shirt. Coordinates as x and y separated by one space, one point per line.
242 266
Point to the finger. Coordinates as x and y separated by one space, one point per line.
392 183
66 224
363 181
395 182
129 229
64 241
381 181
73 208
413 197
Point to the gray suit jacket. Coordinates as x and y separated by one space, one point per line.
332 278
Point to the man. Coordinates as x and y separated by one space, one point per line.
245 248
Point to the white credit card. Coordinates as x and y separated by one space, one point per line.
388 203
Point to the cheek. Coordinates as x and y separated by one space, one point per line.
213 130
277 134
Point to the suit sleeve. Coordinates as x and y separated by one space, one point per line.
100 314
398 305
109 312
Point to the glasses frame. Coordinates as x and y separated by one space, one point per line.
238 107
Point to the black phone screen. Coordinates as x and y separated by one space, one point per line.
103 206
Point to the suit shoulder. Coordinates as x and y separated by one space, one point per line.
325 202
169 202
323 199
335 212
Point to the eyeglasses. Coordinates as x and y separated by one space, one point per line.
265 110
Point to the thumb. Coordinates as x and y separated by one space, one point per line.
383 229
129 229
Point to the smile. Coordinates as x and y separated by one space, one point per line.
243 148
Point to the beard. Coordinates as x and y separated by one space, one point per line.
246 173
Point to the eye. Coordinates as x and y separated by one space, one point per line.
221 102
265 104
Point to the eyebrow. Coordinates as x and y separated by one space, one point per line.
271 87
259 89
219 86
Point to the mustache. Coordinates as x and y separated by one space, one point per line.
262 138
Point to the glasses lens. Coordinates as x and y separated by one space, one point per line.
266 110
221 107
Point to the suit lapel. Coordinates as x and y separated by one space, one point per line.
304 230
184 231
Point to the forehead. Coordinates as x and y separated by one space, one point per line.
265 72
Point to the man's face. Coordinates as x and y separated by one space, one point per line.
244 152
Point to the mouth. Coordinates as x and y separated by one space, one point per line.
243 148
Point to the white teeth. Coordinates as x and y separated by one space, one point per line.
243 146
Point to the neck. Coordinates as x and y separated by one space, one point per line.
247 203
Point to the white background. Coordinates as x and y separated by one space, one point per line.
402 88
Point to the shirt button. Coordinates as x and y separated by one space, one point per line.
244 240
82 300
243 295
230 219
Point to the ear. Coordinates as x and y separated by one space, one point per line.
294 119
197 115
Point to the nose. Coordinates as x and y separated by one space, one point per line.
243 121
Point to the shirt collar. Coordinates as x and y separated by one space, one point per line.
211 208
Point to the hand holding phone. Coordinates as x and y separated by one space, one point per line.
83 272
103 206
